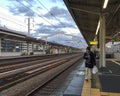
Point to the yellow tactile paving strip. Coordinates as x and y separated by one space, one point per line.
88 91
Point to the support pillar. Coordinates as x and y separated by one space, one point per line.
28 35
20 47
44 49
0 47
27 48
33 47
102 41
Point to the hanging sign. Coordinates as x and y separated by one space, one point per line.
93 42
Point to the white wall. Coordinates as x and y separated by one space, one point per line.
117 55
10 53
37 53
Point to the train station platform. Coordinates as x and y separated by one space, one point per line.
104 83
76 85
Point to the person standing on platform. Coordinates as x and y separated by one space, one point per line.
89 63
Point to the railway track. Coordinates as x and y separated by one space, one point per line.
53 86
15 74
22 59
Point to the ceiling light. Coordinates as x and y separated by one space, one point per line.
97 28
105 4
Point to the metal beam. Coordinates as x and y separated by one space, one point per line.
0 47
6 33
113 14
86 9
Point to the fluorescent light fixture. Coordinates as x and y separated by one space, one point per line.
105 4
97 28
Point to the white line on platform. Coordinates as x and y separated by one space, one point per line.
110 71
115 62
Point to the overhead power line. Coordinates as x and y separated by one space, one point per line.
49 12
35 12
42 16
53 15
13 21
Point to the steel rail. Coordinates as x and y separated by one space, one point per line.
35 72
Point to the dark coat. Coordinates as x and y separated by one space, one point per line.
90 59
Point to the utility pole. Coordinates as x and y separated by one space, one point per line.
29 29
28 26
28 23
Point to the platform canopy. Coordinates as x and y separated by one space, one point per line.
86 14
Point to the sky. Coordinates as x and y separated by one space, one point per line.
49 20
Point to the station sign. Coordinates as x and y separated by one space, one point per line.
93 42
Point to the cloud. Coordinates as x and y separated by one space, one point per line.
21 10
57 15
54 1
56 11
61 15
49 29
18 7
46 29
66 40
62 38
65 25
22 7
